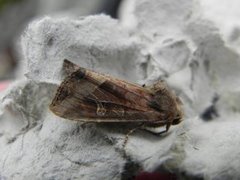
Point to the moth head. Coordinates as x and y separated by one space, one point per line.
166 101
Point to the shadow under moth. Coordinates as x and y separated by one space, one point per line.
88 96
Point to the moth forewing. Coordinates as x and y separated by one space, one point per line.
88 96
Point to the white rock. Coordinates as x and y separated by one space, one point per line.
211 149
95 42
23 106
59 149
225 15
36 144
157 19
214 68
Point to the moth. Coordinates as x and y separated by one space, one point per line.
88 96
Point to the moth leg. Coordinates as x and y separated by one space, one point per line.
168 126
130 132
84 124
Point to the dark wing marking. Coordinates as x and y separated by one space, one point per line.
84 94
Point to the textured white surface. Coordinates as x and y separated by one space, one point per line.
36 144
95 42
212 148
171 40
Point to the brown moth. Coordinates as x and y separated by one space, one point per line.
88 96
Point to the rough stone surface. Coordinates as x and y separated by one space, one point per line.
209 87
95 42
172 40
